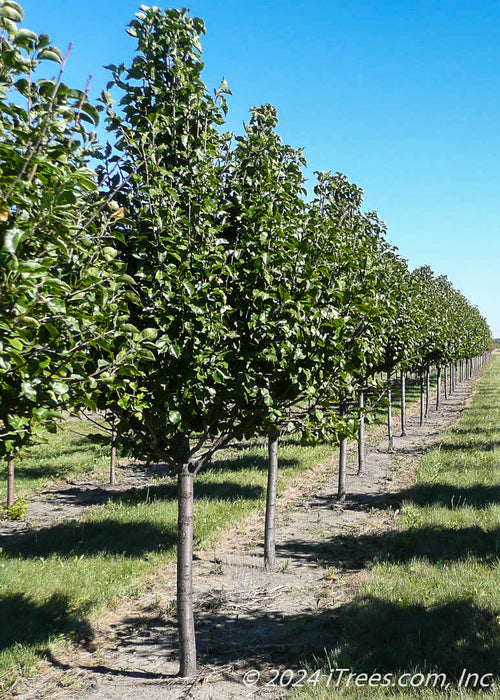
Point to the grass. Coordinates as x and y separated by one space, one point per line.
55 581
432 601
77 449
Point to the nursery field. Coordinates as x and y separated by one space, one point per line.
431 604
430 575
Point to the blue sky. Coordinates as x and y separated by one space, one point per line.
402 97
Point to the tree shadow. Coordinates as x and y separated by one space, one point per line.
246 460
107 536
480 445
256 638
431 544
445 495
447 638
452 497
25 621
367 635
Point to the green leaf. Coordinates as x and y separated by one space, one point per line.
11 12
15 343
51 54
91 112
24 35
28 391
60 387
149 334
174 417
12 239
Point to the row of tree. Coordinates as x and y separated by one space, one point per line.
185 286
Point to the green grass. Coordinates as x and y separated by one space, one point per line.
432 601
77 449
52 582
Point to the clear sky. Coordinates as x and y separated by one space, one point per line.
402 97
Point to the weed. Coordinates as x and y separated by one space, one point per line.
285 565
16 510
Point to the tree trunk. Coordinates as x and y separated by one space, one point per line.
361 432
342 465
403 404
272 486
185 613
438 391
342 458
112 461
390 435
10 482
422 398
427 390
445 381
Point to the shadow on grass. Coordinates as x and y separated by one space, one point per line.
223 490
27 622
477 445
447 638
443 495
241 461
49 466
109 535
451 497
432 544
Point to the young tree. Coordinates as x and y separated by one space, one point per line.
212 290
58 279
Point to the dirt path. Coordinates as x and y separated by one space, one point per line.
247 618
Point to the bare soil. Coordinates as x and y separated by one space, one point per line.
248 618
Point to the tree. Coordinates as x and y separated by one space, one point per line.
59 280
359 298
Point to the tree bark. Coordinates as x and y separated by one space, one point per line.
112 461
10 481
342 459
185 612
445 380
403 404
361 432
390 434
427 390
272 487
438 391
422 398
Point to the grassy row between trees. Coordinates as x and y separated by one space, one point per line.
432 602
